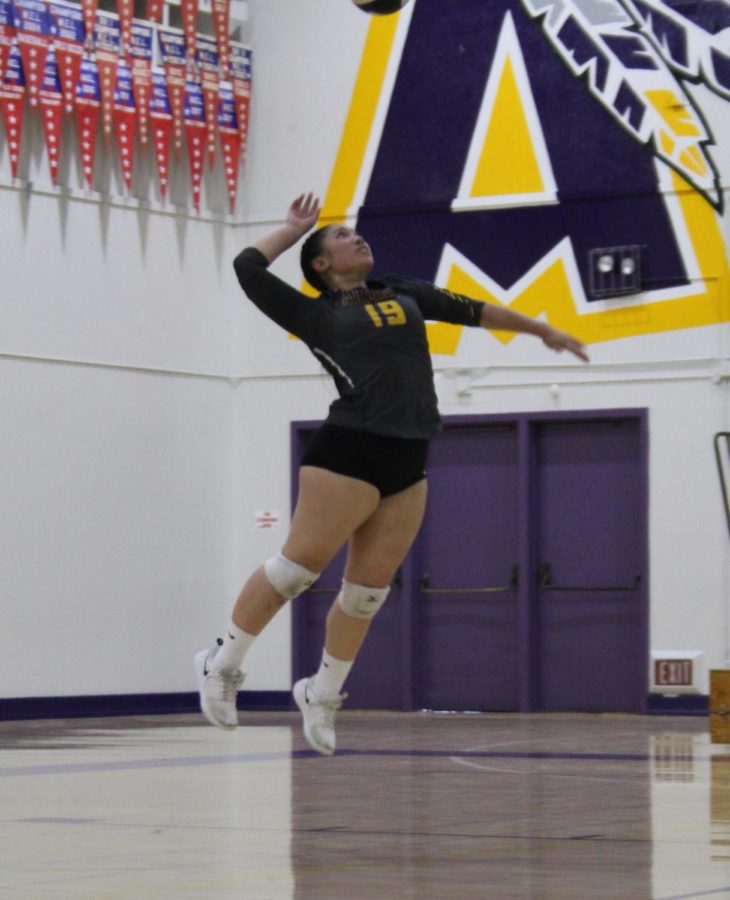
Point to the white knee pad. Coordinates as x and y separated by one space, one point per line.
359 601
288 578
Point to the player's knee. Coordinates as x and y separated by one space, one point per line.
288 578
359 601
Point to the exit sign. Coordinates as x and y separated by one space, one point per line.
673 672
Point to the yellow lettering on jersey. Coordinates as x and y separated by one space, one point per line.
373 313
393 312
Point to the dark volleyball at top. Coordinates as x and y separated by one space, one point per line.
380 7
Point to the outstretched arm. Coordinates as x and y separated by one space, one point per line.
499 318
302 216
274 297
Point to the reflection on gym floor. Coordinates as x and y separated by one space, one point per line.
413 805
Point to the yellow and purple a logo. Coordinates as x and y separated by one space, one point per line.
491 150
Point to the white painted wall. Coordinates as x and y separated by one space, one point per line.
145 408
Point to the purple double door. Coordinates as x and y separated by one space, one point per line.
526 589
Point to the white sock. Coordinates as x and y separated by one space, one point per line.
235 646
331 675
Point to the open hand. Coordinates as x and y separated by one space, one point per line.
560 341
304 212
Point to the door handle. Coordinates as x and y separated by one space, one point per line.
425 580
545 575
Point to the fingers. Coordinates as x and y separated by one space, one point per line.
561 341
577 349
306 204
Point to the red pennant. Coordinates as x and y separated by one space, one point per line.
190 28
125 123
196 156
107 78
221 10
140 51
142 89
209 67
7 30
5 45
69 56
231 146
211 112
51 98
195 129
107 40
88 8
241 75
33 25
176 92
4 54
230 143
67 29
87 117
242 96
12 96
154 10
172 44
33 50
161 126
125 9
12 103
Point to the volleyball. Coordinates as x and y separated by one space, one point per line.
380 7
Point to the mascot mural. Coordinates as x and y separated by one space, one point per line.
515 142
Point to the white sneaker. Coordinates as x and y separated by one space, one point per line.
217 691
318 715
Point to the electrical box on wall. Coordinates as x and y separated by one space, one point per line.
678 672
614 271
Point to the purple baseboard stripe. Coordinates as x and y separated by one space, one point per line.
678 705
18 708
129 705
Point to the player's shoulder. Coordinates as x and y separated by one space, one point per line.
403 284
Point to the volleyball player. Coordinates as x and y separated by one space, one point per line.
362 478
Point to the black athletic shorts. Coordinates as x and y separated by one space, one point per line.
391 464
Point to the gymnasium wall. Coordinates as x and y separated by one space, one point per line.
146 407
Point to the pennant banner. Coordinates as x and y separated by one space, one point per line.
189 10
88 9
107 43
33 29
7 30
67 32
140 53
186 103
230 142
88 102
172 46
51 108
209 67
125 122
221 10
125 11
154 10
12 96
161 119
241 77
195 129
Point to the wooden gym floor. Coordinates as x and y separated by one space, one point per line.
413 806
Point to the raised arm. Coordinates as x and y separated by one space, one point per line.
499 318
302 216
282 303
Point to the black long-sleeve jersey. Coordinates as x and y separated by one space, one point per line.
373 343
